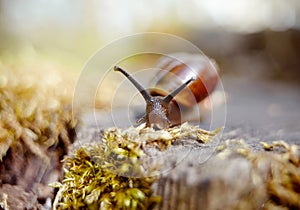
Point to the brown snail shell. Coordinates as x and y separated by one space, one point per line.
175 72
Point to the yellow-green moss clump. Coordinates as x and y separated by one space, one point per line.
36 128
35 108
112 174
284 185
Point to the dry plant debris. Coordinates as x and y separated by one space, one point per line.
140 137
111 175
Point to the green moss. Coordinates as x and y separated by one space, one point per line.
112 175
95 179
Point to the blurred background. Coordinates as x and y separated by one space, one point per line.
237 33
256 43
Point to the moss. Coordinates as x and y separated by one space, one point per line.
36 129
277 168
34 110
112 175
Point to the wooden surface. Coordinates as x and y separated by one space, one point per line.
195 177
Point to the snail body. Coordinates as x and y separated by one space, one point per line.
180 84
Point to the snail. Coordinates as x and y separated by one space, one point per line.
180 84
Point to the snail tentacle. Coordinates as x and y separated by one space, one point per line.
140 88
169 97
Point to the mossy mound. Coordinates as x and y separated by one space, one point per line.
114 173
36 128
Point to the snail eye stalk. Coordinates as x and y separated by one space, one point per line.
140 88
169 97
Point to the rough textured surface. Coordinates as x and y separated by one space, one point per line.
235 178
196 178
227 175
